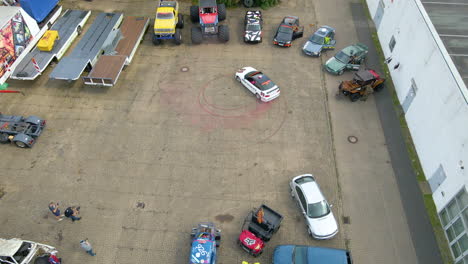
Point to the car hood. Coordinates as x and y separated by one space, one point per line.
312 47
335 65
164 24
209 18
324 226
253 35
283 37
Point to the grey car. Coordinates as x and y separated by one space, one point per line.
323 39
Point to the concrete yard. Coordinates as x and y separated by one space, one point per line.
178 141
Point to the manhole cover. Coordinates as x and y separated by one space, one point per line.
346 220
352 139
184 69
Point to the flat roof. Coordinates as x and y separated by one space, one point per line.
450 18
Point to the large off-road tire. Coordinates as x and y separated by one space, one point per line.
21 144
354 97
4 138
221 12
194 15
197 36
156 41
180 22
42 260
379 87
177 37
248 3
223 33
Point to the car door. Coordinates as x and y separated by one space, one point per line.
301 201
332 43
248 84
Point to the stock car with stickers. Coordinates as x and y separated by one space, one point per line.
258 228
205 239
258 83
253 26
288 30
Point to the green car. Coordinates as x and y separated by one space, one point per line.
350 58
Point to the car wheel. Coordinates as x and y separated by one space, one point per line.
340 72
319 53
223 34
194 15
156 41
238 79
379 87
308 231
4 138
354 97
20 144
180 22
177 37
258 97
197 36
221 12
42 260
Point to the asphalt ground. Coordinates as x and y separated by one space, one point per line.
419 225
166 148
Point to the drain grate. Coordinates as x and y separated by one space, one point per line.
346 220
352 139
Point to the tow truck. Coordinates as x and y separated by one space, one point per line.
19 130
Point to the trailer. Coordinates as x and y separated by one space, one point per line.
102 36
68 27
109 66
19 130
20 33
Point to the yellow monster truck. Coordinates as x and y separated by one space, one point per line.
168 23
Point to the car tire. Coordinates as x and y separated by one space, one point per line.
42 260
238 79
221 12
156 41
354 97
177 37
340 72
223 33
21 144
197 36
308 231
379 87
258 97
180 22
248 3
194 15
319 53
4 138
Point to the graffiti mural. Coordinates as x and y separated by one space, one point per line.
14 38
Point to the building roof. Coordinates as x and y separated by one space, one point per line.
449 18
6 13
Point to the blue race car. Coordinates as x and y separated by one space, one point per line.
205 239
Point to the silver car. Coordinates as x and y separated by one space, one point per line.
321 223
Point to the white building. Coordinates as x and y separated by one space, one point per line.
426 43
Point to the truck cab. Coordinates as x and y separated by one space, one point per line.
17 251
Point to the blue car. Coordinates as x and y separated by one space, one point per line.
205 239
293 254
323 39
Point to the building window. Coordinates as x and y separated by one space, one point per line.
392 44
405 105
454 219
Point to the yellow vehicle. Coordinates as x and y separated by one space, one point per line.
47 42
168 23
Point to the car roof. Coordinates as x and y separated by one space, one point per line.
253 17
354 48
208 3
365 75
312 192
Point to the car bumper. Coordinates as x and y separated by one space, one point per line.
330 70
272 97
282 44
313 54
325 237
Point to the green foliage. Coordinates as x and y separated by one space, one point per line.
264 4
230 3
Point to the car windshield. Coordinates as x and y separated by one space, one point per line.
285 29
341 56
253 27
317 210
165 15
316 39
300 255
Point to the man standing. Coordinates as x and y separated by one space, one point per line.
87 247
72 212
54 208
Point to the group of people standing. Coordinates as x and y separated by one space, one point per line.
71 212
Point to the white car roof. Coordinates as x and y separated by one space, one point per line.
311 190
9 247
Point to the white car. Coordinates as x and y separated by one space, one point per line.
258 83
315 208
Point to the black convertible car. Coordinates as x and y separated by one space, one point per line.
288 30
